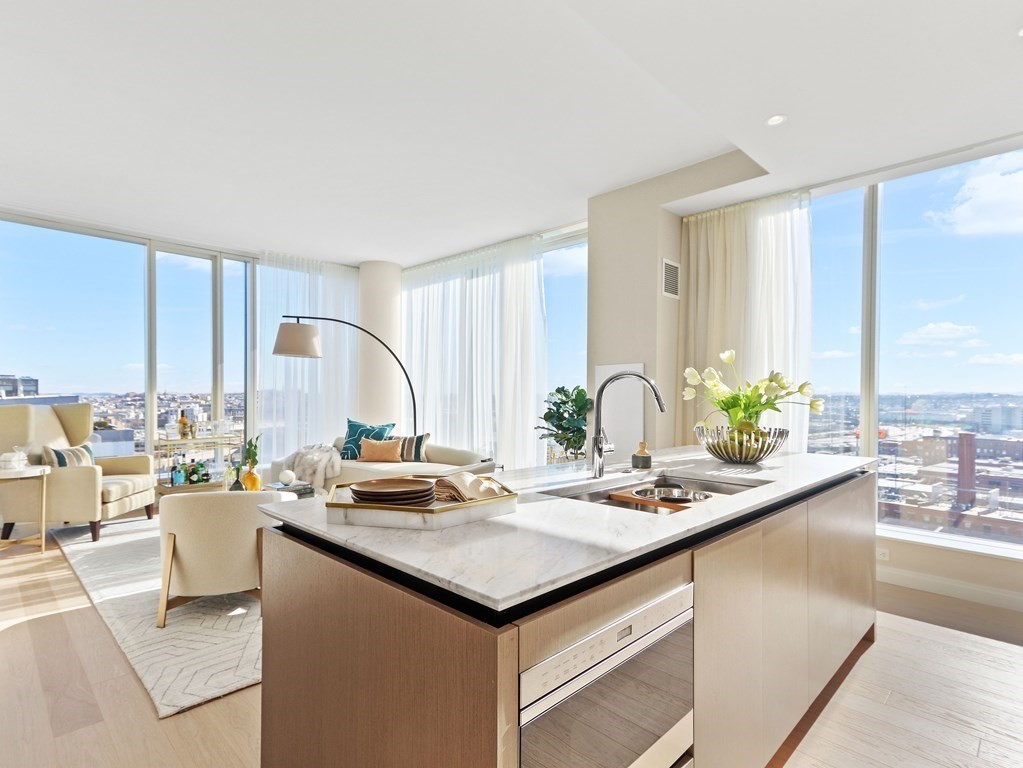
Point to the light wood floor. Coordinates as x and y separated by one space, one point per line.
920 696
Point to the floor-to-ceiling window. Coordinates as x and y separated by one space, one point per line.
837 280
949 361
565 264
184 338
74 327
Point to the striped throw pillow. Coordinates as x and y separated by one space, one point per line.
413 448
68 457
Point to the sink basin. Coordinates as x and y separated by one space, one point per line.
686 490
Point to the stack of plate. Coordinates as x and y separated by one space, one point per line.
398 492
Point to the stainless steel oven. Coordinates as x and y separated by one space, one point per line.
619 698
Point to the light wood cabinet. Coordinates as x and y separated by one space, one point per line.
728 674
842 524
779 606
786 688
358 671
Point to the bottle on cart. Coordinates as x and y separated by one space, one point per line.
200 470
174 475
193 475
178 473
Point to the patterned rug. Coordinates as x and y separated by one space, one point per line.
210 646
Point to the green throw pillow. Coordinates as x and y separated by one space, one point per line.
352 447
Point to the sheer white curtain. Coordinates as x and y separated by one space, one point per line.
301 401
746 272
475 344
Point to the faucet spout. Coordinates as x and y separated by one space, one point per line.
600 441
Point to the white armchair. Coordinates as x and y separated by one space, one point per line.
89 494
211 544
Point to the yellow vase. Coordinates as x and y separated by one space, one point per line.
251 480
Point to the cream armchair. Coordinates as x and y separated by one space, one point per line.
111 488
211 544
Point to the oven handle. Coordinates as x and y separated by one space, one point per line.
601 668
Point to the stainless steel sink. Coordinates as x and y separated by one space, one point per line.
702 488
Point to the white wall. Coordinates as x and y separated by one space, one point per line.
630 233
381 382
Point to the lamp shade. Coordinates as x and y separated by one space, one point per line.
297 340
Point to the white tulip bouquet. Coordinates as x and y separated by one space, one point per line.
748 401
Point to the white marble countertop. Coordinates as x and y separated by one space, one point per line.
550 542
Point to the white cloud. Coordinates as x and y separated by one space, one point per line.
974 344
917 355
854 329
997 358
565 262
938 333
939 303
990 200
833 354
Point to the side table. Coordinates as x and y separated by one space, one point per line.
28 473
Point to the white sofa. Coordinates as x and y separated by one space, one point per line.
440 460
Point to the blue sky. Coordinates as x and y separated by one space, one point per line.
565 297
74 314
951 264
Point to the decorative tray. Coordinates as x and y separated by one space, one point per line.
342 509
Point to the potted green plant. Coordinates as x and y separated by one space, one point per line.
565 419
250 456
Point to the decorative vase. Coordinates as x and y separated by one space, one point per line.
251 481
183 430
737 447
237 484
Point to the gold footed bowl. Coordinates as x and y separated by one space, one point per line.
738 447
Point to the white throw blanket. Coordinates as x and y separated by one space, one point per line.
315 463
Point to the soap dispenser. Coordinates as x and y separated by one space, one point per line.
641 458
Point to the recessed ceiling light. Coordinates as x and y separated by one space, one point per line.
777 119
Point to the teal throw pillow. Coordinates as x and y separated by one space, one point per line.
352 447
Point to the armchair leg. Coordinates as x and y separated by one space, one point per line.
168 560
94 527
149 511
6 533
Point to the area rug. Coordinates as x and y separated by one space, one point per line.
210 646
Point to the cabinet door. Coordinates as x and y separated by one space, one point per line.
786 662
728 652
841 529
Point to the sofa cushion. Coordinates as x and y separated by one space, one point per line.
413 448
380 450
116 487
81 456
351 447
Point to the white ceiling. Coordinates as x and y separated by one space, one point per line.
408 131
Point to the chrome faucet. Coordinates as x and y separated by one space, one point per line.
600 441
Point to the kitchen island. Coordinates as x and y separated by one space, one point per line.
397 647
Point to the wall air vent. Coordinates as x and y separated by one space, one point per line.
669 278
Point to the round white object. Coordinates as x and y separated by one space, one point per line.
287 476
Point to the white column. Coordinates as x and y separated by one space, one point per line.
382 385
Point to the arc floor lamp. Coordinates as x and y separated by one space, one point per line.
297 340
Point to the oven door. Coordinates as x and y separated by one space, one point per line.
631 710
